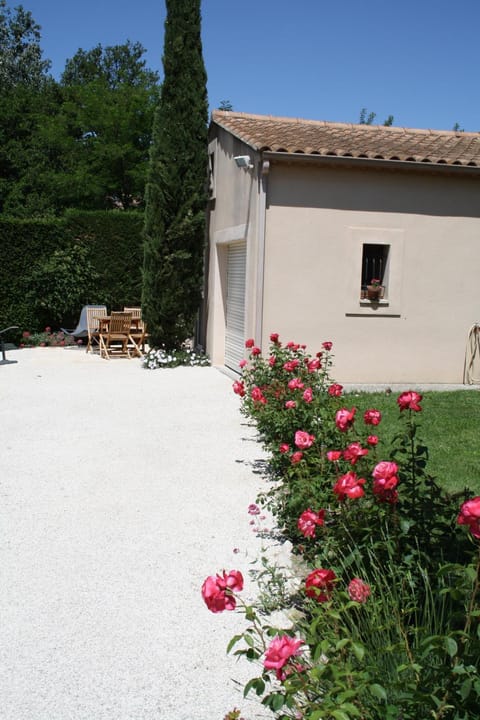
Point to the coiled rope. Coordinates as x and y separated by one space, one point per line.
471 368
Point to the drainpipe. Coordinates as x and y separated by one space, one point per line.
262 207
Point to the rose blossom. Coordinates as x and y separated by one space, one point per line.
308 395
284 448
409 401
372 440
308 521
291 365
295 384
257 395
384 469
319 584
239 388
335 390
470 515
358 590
216 590
304 440
253 509
334 455
279 652
353 452
344 419
372 417
327 345
296 457
242 363
272 360
290 404
349 485
256 351
274 338
25 334
313 365
249 343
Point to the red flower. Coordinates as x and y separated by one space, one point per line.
242 363
344 419
274 338
279 652
319 584
335 390
296 457
372 440
358 590
334 455
385 481
308 395
295 384
217 590
25 334
272 360
353 452
304 440
308 521
385 469
249 343
239 388
48 329
256 351
409 401
258 396
291 365
470 515
284 448
313 365
290 404
372 417
327 345
349 485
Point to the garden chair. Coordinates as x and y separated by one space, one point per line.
93 313
81 331
115 335
138 333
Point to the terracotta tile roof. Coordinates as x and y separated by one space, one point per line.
313 137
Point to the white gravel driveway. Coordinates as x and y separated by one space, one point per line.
121 489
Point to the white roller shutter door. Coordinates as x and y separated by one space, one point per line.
235 320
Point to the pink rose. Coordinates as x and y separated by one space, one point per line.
353 452
304 440
470 515
308 521
257 395
313 365
242 363
256 351
384 469
295 384
274 338
217 590
25 334
239 388
409 401
358 590
284 448
249 343
334 455
290 404
372 417
344 419
319 584
349 485
327 345
372 440
272 360
279 652
308 395
296 457
335 390
291 365
253 509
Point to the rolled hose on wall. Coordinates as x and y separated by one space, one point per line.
471 368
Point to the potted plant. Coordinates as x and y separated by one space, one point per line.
375 289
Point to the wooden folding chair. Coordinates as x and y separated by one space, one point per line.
114 338
138 332
93 325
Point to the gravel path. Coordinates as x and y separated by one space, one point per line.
120 491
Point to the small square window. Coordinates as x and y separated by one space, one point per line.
374 268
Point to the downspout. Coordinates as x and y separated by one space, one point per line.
261 224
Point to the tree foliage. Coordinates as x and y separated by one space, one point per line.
177 183
20 52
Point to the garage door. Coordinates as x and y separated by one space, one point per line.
235 327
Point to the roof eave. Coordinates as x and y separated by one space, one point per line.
361 162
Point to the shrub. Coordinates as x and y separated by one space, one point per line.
162 358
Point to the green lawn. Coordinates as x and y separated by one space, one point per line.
450 427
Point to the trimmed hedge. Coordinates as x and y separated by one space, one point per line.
27 247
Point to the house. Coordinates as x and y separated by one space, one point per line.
304 214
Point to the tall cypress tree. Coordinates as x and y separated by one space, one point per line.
176 194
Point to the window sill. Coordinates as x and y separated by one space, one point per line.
384 308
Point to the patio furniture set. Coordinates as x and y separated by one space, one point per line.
118 334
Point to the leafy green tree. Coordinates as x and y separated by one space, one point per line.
20 52
177 184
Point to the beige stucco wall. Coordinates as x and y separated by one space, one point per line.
233 218
316 222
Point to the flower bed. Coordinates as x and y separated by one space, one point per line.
47 338
386 621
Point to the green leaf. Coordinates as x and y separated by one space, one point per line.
378 691
233 642
451 646
340 715
276 701
465 689
359 651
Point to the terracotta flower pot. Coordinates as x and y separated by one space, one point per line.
374 292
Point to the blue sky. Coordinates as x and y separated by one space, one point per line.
319 59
